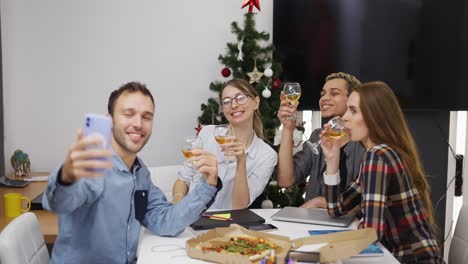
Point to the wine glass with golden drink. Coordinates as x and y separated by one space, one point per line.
223 135
335 130
188 145
292 91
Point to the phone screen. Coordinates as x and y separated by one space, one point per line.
262 227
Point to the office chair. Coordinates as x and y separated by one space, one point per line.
22 242
164 177
459 247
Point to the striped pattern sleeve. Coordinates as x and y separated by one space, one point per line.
374 182
339 204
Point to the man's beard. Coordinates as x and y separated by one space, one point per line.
120 139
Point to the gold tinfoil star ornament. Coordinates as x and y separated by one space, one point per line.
251 4
255 75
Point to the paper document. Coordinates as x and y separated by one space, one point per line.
311 247
37 178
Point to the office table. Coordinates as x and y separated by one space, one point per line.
47 220
171 250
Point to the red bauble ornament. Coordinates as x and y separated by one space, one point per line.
225 72
251 4
276 83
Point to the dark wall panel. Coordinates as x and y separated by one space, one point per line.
430 130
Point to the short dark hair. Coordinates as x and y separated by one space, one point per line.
351 81
131 87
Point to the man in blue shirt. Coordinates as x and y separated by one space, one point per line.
103 196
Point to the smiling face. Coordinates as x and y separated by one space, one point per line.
237 113
354 121
132 123
333 98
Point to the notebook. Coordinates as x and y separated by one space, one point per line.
316 216
373 250
243 217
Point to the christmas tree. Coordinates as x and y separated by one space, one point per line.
249 60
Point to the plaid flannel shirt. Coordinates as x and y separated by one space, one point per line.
390 204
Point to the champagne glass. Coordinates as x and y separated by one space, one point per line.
335 131
222 135
188 145
292 91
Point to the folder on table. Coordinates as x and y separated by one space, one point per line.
243 217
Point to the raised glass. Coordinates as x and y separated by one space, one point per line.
188 144
292 91
335 130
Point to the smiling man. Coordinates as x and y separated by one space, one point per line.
103 196
295 169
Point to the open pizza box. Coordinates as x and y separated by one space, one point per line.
338 245
194 246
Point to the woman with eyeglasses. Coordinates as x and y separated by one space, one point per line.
244 179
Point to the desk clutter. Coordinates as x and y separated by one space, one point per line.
243 217
236 244
9 183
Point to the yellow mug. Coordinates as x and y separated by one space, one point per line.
13 206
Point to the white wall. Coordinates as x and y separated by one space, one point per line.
61 59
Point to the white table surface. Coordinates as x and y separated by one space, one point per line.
171 250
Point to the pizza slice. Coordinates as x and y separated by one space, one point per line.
254 247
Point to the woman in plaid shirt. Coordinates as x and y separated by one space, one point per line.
391 188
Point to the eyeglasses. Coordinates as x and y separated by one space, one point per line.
240 99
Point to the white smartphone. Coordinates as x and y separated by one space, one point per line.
98 124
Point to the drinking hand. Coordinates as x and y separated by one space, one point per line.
330 147
207 164
233 149
285 112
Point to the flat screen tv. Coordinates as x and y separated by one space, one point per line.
418 47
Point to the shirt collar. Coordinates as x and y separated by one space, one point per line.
120 164
253 146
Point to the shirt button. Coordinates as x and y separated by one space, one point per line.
128 227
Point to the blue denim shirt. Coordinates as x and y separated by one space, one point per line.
97 221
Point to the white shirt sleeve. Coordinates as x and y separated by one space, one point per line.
333 179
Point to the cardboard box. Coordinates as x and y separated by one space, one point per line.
224 234
339 245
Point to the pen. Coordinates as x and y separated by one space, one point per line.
217 217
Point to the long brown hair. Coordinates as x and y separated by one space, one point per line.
386 123
249 90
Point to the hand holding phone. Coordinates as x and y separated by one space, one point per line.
98 125
90 155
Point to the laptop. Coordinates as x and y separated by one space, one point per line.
316 216
36 203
